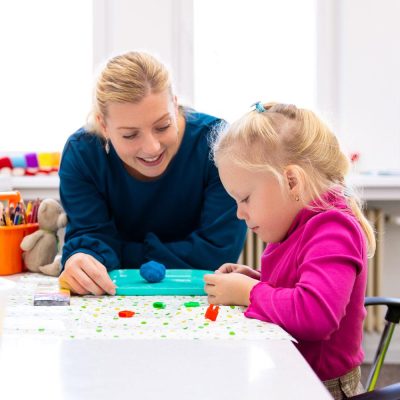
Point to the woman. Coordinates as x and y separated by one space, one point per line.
138 184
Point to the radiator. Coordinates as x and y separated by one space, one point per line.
254 247
375 320
252 251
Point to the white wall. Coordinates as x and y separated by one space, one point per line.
160 27
360 87
357 69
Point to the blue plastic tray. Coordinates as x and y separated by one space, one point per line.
183 282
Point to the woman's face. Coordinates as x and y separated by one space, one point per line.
145 134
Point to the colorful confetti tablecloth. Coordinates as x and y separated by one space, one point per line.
97 317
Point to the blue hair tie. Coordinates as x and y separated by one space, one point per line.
259 107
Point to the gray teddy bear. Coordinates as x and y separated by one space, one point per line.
41 247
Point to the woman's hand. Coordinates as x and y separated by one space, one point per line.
83 274
241 269
229 288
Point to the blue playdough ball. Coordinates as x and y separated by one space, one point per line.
152 271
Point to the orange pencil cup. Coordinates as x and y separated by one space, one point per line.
10 251
12 197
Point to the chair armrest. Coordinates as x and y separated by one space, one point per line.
392 303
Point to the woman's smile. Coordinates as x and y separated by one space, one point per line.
152 161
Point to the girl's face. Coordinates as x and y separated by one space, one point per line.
261 201
145 134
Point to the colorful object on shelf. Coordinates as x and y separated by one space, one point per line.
184 282
5 164
18 162
212 312
354 157
18 165
45 160
126 314
56 159
30 164
153 271
159 305
31 160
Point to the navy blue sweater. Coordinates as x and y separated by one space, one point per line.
183 219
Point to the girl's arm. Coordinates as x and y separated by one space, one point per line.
330 261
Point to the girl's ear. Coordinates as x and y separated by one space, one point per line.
294 180
292 177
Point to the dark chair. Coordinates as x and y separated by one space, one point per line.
392 318
391 392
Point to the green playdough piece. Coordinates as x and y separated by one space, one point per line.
192 304
159 304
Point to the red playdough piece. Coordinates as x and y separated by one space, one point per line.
212 312
126 314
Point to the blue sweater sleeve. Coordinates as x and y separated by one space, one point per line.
90 228
218 239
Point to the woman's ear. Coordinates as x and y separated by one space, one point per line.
176 106
102 125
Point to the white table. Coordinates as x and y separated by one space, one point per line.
166 362
155 369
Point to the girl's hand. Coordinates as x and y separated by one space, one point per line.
83 274
229 289
241 269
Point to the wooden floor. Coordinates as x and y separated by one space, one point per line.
390 373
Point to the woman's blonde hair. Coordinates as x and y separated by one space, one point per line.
285 135
127 78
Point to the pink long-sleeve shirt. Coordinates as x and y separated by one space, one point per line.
313 285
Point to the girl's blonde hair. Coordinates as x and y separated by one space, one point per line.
285 135
127 78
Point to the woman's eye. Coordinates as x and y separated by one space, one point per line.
130 136
163 128
245 200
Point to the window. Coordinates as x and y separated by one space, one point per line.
246 51
46 72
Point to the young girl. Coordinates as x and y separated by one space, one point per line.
285 169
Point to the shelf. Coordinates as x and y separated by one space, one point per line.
376 187
41 186
369 187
